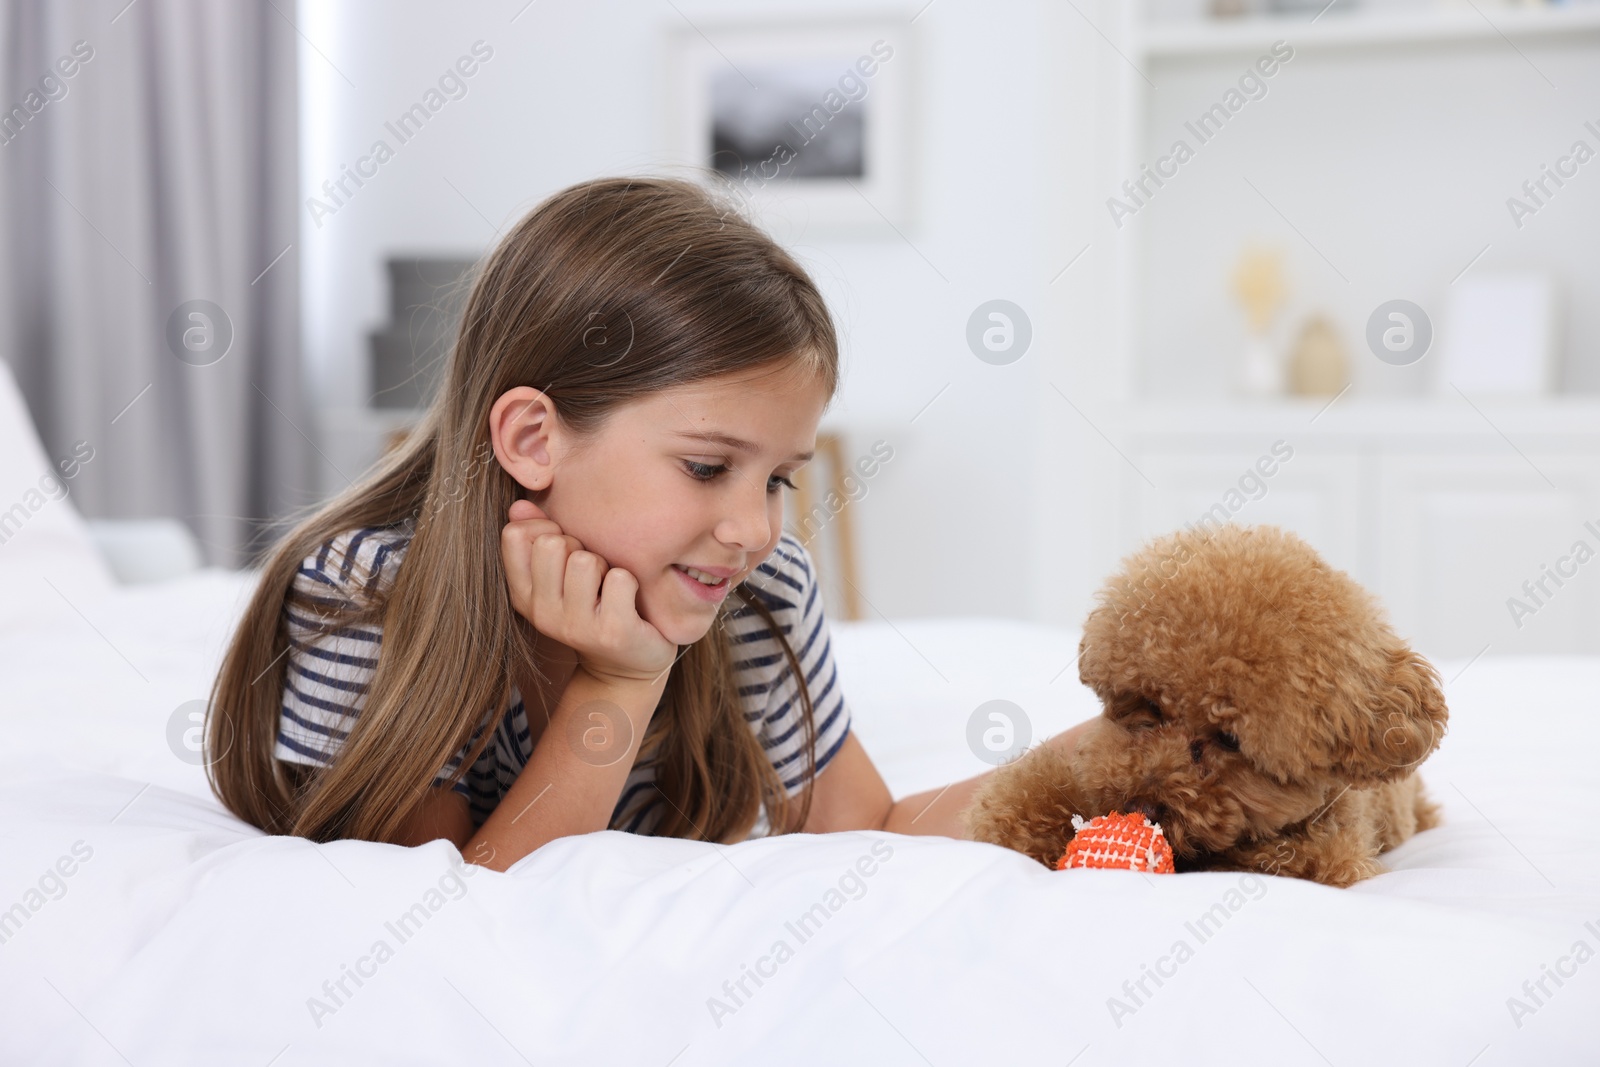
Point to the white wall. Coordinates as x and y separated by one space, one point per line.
1006 124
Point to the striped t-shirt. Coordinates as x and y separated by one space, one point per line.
328 675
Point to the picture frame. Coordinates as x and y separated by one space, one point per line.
810 121
1499 336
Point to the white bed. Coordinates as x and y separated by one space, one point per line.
183 935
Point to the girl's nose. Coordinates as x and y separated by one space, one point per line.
748 525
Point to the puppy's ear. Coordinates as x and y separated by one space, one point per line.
1403 722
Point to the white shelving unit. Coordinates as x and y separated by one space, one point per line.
1443 507
1362 28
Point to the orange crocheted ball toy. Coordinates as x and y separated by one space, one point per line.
1119 842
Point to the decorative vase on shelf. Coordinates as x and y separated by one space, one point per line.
1258 283
1318 366
1261 374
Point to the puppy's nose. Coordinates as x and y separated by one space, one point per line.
1196 750
1145 808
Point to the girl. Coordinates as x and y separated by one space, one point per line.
599 622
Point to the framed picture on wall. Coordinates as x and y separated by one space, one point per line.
809 121
1499 335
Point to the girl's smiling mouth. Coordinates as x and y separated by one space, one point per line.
708 593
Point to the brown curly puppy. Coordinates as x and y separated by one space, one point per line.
1256 704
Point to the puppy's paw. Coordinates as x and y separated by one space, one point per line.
1027 806
1347 872
1427 811
1326 860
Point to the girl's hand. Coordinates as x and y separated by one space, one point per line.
571 595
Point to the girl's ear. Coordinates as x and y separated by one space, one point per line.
522 427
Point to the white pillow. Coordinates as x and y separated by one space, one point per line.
43 539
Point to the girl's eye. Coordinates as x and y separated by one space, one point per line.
705 472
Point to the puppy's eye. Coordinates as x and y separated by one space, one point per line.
1140 711
1228 741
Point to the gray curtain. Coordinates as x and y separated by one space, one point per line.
149 279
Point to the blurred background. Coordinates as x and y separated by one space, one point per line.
1101 270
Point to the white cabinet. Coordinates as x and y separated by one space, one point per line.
1357 167
1314 493
1478 529
1475 547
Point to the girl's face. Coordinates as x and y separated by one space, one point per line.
658 489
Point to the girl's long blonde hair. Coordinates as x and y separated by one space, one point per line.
604 293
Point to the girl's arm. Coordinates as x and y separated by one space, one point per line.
851 795
573 779
577 770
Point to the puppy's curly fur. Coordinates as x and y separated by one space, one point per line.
1256 703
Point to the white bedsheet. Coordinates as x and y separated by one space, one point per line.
185 936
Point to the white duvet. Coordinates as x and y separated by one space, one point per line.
145 925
